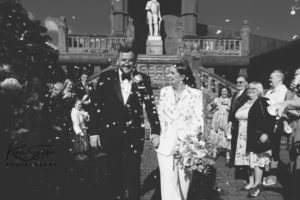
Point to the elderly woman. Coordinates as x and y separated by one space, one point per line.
253 145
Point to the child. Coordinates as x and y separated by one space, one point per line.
79 119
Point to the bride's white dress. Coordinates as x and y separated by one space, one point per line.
177 120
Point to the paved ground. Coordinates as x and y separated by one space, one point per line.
223 179
87 180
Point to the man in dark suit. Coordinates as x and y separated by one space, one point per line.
83 88
117 122
237 100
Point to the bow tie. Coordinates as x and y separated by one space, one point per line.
126 76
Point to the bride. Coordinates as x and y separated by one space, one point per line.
180 111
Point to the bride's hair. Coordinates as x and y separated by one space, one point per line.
184 69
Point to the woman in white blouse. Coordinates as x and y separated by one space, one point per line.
180 111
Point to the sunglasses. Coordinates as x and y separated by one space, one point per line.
239 82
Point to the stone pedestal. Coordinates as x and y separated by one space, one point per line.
154 45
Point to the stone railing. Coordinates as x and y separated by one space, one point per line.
206 46
94 44
211 82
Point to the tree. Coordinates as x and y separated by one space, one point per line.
23 44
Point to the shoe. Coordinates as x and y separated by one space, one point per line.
81 157
245 188
270 180
254 192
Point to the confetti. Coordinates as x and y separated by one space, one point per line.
218 32
295 36
227 20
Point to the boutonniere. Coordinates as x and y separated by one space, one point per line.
137 79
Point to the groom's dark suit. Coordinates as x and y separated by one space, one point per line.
121 128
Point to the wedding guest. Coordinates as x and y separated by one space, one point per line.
291 117
220 135
79 119
82 88
276 94
237 100
68 97
33 110
180 111
53 115
253 145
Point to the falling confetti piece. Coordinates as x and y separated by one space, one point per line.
218 32
293 12
73 17
227 20
295 36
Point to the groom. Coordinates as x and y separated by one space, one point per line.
117 122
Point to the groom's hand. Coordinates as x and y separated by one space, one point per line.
95 141
154 138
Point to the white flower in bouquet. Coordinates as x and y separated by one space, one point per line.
202 153
194 139
201 143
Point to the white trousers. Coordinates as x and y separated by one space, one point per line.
175 182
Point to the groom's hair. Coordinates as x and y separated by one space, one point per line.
126 49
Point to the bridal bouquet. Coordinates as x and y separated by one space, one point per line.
195 153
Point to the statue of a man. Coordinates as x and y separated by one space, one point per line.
153 17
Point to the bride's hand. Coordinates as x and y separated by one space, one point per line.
154 140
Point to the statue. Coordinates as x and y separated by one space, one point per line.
153 17
130 32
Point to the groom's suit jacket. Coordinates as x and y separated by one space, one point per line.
121 125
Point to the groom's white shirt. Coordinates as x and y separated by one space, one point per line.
181 119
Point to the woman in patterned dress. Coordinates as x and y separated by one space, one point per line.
253 144
220 106
180 112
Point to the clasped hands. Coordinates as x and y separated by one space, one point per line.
154 139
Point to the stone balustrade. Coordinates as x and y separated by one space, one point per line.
206 46
212 83
94 44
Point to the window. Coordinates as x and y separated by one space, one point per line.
75 43
81 42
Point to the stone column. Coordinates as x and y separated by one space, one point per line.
245 45
119 17
245 32
189 16
62 35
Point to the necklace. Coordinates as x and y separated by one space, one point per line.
177 94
